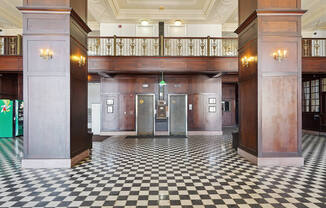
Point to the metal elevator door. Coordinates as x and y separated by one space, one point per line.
178 115
145 115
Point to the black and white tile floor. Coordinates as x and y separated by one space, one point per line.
194 172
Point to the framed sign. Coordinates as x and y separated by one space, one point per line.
212 109
211 100
110 109
109 102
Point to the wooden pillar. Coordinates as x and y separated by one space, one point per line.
55 86
270 89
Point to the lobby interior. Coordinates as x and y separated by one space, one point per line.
176 103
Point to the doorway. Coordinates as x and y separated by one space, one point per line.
145 115
178 114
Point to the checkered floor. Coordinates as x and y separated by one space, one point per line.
195 172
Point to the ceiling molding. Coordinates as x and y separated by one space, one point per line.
13 18
114 6
208 7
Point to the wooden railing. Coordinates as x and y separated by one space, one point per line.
314 47
162 46
123 46
10 45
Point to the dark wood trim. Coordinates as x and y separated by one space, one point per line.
120 64
47 9
310 65
79 43
253 152
80 21
11 63
257 12
313 65
281 11
247 22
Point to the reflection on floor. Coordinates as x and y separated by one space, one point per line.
194 172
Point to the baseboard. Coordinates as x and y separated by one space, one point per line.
317 133
272 161
54 163
46 163
118 133
75 160
205 133
161 133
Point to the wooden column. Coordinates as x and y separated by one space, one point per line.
55 89
270 90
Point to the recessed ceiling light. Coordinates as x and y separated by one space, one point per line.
178 23
144 23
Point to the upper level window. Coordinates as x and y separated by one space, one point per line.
311 101
323 87
315 95
306 97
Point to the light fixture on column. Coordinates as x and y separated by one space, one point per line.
178 23
46 54
80 59
280 55
246 60
162 83
144 22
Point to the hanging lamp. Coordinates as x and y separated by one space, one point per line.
162 83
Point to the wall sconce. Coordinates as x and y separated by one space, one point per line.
80 59
246 60
280 55
46 54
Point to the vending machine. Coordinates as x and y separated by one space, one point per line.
11 118
19 118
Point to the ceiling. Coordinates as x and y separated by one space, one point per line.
195 11
190 11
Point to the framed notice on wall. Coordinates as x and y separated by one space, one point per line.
109 102
211 100
212 109
110 109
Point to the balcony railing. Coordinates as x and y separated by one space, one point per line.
163 46
10 45
314 47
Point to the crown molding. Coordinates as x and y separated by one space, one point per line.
114 5
156 14
208 7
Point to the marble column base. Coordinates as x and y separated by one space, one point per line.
54 163
272 161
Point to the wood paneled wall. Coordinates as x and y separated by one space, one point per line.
270 91
110 64
55 90
11 86
143 64
123 89
229 94
79 139
315 121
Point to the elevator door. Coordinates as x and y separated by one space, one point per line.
145 114
178 115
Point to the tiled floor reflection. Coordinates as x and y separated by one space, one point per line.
195 172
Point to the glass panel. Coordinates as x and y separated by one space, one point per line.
306 96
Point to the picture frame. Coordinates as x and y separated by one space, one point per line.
212 109
211 100
110 102
110 109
